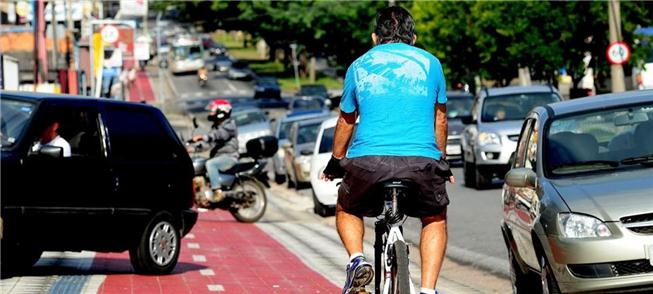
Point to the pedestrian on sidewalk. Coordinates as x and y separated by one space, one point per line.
399 93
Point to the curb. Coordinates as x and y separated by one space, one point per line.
494 265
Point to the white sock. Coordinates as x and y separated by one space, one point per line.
427 291
356 254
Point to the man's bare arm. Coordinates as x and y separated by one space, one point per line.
441 128
343 133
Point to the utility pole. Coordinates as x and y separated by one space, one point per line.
53 27
614 21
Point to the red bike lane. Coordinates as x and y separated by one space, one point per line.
219 255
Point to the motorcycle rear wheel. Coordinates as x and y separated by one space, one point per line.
252 210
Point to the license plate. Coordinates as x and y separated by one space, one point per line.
453 150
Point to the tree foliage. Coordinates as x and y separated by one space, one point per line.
493 39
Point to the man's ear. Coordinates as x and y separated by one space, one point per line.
414 39
375 39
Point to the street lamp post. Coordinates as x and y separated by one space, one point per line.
295 63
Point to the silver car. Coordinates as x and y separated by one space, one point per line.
490 136
299 150
281 131
459 104
251 123
578 201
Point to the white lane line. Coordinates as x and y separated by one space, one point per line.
190 236
215 288
207 272
184 96
193 245
213 93
199 258
231 86
198 94
93 284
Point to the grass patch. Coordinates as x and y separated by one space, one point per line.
271 68
288 83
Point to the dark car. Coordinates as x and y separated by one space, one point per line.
318 90
122 182
267 87
303 105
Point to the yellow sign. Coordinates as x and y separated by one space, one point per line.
98 53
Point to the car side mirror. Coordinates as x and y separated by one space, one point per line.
50 151
306 152
467 119
521 178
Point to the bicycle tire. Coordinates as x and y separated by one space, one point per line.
400 275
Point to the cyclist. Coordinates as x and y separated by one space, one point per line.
398 91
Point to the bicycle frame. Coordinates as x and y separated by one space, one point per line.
388 230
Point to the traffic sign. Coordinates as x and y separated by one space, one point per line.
109 34
618 53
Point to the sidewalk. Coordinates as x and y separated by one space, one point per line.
220 255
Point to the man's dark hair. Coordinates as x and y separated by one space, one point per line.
393 25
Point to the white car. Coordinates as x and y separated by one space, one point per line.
325 193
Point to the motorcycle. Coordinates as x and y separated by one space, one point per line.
243 185
203 76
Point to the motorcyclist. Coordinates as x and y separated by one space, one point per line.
202 75
223 138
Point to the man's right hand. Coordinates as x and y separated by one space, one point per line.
333 170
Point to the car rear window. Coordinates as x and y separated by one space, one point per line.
246 118
308 133
137 134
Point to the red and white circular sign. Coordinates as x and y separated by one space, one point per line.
618 53
109 34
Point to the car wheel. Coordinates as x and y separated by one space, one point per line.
321 209
16 259
522 282
468 172
547 279
158 249
481 179
279 178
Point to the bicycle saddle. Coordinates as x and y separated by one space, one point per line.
397 183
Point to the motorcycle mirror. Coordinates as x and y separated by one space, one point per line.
195 125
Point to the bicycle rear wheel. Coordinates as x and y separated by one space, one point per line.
400 275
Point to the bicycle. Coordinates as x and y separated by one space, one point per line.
390 249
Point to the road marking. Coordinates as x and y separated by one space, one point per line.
242 91
184 96
190 236
215 288
199 258
228 92
198 94
213 93
193 245
207 272
231 86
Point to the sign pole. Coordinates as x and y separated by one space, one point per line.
614 21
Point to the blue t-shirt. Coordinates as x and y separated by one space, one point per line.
395 88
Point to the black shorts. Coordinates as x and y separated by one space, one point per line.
360 195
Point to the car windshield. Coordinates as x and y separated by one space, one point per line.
515 106
247 118
284 130
307 133
600 140
306 104
188 52
326 144
239 65
15 117
459 106
311 90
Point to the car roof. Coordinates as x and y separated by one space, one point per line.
600 101
303 116
329 123
39 97
311 121
459 94
517 90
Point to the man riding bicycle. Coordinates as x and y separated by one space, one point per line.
398 93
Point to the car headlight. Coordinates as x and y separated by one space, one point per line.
574 225
485 138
